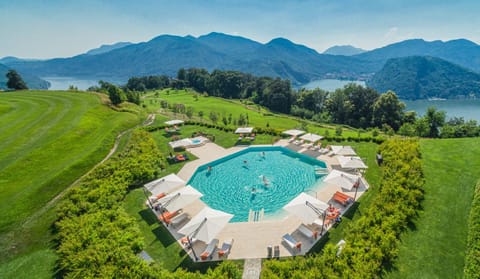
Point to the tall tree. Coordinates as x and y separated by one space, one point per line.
312 100
15 81
435 120
388 109
278 96
338 105
362 100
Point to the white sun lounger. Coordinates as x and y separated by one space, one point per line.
226 246
208 253
312 235
291 242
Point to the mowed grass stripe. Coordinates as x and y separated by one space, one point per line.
16 114
72 144
27 141
43 131
435 247
30 116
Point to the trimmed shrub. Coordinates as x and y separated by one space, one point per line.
372 240
472 258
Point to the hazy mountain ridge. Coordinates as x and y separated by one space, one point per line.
107 48
421 77
346 50
165 54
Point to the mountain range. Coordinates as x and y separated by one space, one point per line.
165 54
280 57
424 77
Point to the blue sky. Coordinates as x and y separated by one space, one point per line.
55 28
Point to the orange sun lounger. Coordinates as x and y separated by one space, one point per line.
342 198
167 216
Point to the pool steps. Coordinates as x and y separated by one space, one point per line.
256 216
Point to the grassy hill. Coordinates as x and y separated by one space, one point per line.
47 141
257 115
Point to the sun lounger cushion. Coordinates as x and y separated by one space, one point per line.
226 246
167 216
185 242
209 250
291 242
342 198
157 197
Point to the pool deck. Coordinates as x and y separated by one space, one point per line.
251 239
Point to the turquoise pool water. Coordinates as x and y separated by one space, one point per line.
235 183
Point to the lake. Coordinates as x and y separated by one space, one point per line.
62 83
468 109
330 84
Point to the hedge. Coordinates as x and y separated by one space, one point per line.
372 240
472 258
97 238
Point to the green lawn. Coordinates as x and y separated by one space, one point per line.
258 116
47 140
435 245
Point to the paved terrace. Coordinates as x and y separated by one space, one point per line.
251 239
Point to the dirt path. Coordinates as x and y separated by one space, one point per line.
150 119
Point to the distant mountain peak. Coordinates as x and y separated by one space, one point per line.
346 50
280 41
107 48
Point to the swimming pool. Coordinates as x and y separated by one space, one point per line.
256 178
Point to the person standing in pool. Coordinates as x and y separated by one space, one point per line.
209 168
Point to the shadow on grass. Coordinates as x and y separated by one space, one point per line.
163 235
201 267
411 226
320 244
354 209
148 216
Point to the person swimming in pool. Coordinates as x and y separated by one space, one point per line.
265 180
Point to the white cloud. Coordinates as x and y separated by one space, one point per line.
391 33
